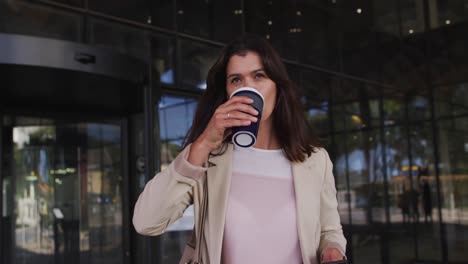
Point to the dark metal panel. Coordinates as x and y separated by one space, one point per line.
125 141
406 125
52 53
153 251
435 142
1 188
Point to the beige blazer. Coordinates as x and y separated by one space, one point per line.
171 191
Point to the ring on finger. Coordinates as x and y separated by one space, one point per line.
228 115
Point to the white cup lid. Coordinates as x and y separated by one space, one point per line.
247 89
244 139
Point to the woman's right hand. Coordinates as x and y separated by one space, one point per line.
237 111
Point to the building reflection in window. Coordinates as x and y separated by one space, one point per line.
196 60
176 115
67 191
453 138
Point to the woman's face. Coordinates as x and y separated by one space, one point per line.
248 71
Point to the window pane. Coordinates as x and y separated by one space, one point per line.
422 169
447 13
162 13
355 106
448 55
136 10
162 51
419 108
19 17
67 193
294 73
176 115
122 39
359 41
259 18
393 107
366 178
452 100
314 26
196 60
367 188
193 17
453 138
227 16
412 16
316 87
402 234
345 198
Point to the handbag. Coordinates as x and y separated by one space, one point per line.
193 253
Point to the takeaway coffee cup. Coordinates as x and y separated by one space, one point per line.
246 136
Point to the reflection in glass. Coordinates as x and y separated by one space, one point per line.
365 176
359 48
412 16
451 100
424 192
419 108
397 172
21 17
316 89
367 187
393 108
122 39
176 115
193 17
453 138
356 115
136 10
314 26
447 54
227 16
259 18
366 247
385 15
447 13
196 60
162 13
402 243
162 52
345 199
67 194
318 118
355 106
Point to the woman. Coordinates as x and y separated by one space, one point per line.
272 203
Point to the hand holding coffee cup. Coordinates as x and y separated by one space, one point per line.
246 135
235 112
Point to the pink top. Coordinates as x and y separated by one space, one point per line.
260 222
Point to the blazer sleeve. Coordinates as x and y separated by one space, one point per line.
166 196
331 235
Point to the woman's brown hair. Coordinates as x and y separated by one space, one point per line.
293 132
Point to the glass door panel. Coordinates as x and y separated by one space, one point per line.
66 191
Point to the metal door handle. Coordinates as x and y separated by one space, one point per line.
85 58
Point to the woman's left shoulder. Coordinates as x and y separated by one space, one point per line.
319 154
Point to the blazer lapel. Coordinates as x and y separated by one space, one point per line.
219 184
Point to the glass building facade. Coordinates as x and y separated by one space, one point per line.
383 84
